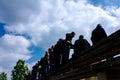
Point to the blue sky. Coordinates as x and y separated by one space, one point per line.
2 30
105 2
28 28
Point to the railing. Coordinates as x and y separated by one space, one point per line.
99 57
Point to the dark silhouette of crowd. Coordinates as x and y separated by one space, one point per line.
58 55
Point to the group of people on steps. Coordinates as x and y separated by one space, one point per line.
58 55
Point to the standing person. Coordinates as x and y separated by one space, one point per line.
29 76
57 54
47 62
98 33
50 50
34 71
66 47
80 45
42 63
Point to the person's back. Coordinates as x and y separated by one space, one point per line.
57 53
80 45
97 34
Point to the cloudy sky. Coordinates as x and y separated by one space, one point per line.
29 27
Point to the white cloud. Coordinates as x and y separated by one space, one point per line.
15 11
55 18
14 43
12 49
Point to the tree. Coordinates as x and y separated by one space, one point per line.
20 71
3 76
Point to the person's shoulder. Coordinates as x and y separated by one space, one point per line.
84 39
76 40
67 34
94 30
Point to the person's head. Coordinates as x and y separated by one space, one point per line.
81 37
49 49
99 26
72 34
60 39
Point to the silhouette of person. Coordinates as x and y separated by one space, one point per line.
50 50
57 53
98 33
34 71
80 45
69 36
42 63
47 62
29 76
66 47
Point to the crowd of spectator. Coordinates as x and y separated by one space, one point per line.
58 55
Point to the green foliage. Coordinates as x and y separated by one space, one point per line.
3 76
20 71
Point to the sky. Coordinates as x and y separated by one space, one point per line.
29 27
